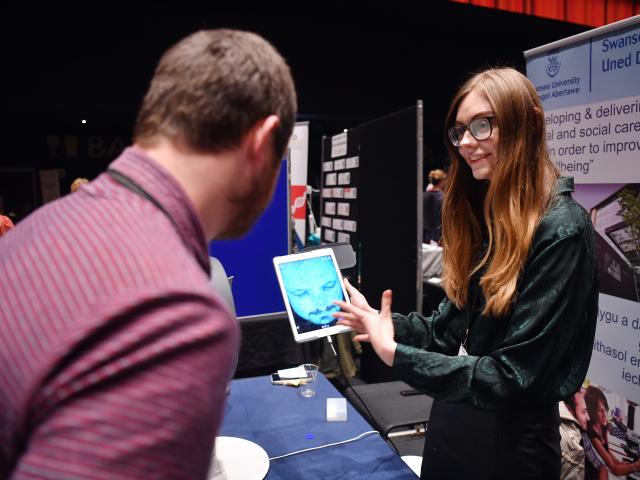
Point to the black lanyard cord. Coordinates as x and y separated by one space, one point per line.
130 184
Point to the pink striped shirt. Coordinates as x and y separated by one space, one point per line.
114 350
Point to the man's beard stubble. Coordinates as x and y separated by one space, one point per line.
248 206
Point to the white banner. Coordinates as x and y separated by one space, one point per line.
597 142
298 160
590 89
616 352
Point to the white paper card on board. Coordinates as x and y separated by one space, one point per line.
344 178
344 237
326 222
327 192
351 192
330 235
343 209
331 179
350 225
352 162
338 192
327 166
330 208
339 164
338 145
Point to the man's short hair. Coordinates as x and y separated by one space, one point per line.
570 402
210 88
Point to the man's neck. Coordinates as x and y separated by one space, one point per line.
205 178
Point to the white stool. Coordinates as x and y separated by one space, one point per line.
414 462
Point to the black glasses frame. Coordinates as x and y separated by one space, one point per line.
456 139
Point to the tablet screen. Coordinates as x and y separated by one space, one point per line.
310 283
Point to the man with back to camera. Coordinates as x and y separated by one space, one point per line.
115 350
432 207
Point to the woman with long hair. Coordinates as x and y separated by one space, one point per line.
515 334
598 431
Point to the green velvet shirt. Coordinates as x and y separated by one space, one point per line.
540 351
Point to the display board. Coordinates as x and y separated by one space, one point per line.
372 198
298 161
590 89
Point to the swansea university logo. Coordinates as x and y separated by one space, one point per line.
553 65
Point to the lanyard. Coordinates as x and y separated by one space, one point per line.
471 307
130 184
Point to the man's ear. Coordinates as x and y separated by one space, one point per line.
260 139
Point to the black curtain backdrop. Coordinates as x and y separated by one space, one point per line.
63 65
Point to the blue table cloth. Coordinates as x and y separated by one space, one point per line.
278 419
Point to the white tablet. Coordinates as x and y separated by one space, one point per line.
310 282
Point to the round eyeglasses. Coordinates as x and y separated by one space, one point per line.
479 128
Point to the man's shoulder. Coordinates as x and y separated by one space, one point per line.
76 253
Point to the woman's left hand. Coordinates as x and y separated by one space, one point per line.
371 326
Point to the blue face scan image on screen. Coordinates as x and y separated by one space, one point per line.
312 285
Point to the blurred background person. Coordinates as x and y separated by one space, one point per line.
432 207
5 224
78 182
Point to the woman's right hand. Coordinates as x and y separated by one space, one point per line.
357 298
370 325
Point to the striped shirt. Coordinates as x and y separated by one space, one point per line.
114 351
572 464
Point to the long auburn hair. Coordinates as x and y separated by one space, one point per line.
504 211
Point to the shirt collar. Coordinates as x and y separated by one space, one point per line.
564 185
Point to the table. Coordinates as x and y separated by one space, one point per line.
278 419
616 446
431 261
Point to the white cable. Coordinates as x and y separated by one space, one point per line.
370 432
328 337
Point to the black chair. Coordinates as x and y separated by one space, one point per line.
397 411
